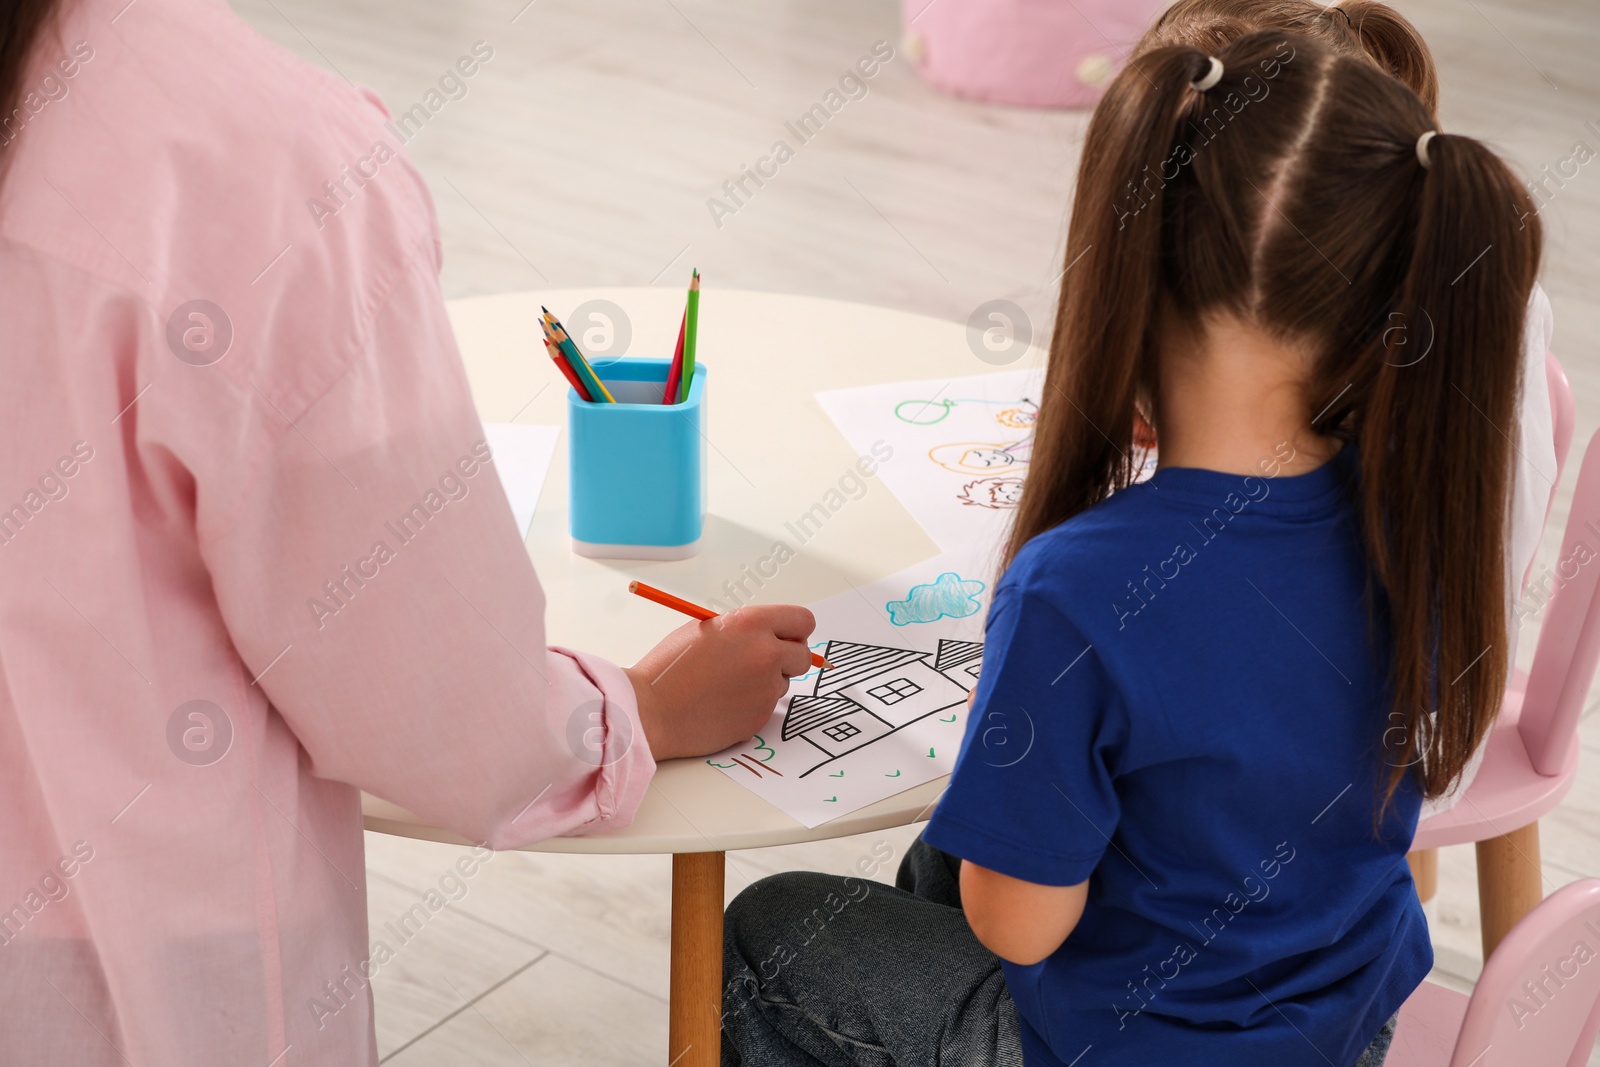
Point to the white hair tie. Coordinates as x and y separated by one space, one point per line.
1211 77
1422 148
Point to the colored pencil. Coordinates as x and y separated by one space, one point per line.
675 371
580 366
692 322
588 390
576 358
562 365
566 370
694 611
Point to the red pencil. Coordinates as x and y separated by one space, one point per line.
694 611
675 372
566 369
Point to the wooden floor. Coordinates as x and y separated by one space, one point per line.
907 199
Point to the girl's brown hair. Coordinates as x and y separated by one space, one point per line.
1363 28
1291 195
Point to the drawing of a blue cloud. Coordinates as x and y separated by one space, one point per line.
950 594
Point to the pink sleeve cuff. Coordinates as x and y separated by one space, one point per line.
626 764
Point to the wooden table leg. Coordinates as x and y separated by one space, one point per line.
694 1029
1510 882
1425 872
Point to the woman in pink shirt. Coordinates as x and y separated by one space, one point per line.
255 557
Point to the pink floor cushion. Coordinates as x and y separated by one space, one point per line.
1038 53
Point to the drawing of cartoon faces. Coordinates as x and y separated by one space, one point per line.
997 493
1021 417
972 457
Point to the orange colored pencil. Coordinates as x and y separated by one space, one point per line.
694 611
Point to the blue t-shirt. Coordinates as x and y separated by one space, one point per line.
1183 701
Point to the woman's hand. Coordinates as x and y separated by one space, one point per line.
711 684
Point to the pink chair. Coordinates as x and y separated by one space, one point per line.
1564 414
1537 1003
1531 754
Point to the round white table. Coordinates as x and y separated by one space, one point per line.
772 453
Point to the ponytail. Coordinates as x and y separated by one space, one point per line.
1104 341
1436 433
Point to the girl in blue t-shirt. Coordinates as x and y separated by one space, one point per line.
1212 701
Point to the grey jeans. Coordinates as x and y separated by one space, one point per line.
824 971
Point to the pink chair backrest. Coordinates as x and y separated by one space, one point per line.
1569 642
1538 1001
1564 417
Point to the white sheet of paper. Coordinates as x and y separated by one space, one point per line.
891 713
960 448
522 459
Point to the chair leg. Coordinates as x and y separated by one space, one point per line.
1510 882
1425 872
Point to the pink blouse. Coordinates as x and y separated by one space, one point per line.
255 556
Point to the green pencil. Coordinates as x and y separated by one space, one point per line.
689 330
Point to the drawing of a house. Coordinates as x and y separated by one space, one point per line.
873 690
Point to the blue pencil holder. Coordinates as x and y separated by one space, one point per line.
637 468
